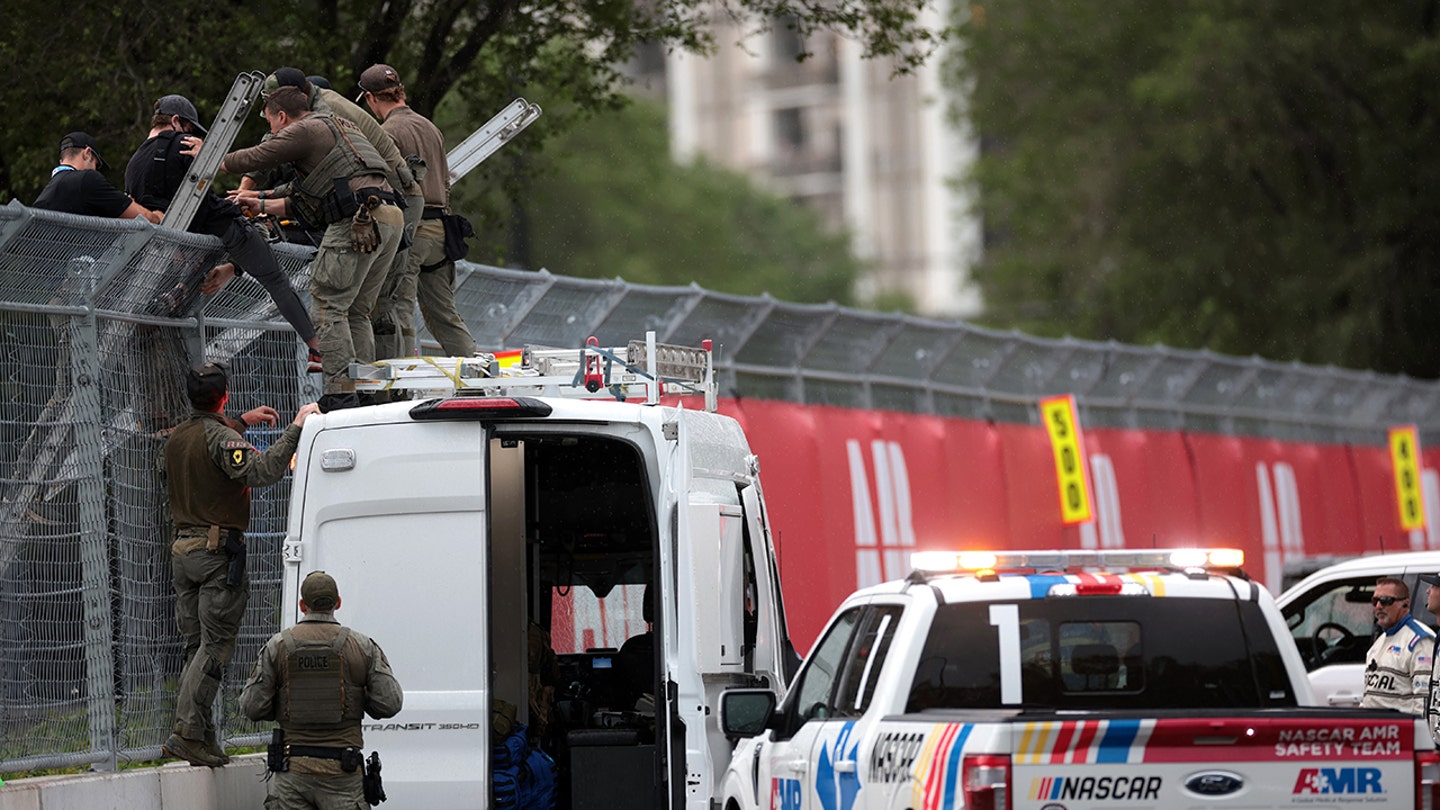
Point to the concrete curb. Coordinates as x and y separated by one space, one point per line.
174 786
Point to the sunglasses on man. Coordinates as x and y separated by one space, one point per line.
1387 601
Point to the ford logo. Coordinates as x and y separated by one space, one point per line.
1214 783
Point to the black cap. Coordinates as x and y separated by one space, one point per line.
320 81
80 140
206 383
181 106
1430 579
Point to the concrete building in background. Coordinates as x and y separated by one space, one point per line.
870 153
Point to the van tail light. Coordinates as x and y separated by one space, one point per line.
986 781
1427 780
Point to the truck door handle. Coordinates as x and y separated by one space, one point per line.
845 766
1343 699
795 765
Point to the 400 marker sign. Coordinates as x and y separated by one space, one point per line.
1061 422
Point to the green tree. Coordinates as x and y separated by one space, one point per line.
1247 177
606 200
99 66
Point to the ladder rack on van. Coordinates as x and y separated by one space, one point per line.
642 369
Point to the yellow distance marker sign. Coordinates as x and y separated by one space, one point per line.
1405 458
1063 425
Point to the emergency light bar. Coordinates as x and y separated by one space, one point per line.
971 561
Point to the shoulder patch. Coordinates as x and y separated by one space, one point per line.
238 454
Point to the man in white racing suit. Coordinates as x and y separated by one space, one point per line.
1398 666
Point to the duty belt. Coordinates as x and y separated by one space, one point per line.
225 532
433 213
350 759
385 196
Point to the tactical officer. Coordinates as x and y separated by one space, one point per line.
1397 668
324 99
210 469
340 184
77 186
157 170
427 275
317 680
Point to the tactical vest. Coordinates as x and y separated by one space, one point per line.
318 700
323 196
202 494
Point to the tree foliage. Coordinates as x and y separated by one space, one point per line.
1247 177
605 200
99 66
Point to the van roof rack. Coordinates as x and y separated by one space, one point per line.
643 369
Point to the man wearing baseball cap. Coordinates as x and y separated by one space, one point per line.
209 469
77 186
294 683
154 175
427 275
323 99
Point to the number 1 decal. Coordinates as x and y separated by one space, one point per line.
1006 618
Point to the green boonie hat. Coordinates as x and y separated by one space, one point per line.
320 591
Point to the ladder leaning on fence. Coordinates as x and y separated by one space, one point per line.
643 369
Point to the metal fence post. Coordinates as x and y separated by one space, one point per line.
96 587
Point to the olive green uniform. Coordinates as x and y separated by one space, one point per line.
318 710
323 99
344 283
427 275
210 469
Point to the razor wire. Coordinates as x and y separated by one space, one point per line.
102 317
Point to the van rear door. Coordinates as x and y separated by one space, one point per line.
400 509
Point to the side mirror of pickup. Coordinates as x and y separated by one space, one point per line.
746 712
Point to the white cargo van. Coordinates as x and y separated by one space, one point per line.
458 525
1330 616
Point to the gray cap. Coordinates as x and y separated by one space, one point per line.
181 106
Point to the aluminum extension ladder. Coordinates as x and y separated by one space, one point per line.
217 144
483 142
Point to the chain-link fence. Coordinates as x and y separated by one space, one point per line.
101 318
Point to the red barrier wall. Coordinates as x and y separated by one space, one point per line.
853 492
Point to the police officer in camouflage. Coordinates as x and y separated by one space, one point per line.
210 469
318 679
341 186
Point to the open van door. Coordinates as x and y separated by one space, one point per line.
402 527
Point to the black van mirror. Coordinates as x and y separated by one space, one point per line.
746 712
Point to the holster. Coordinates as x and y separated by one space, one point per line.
374 788
235 547
275 758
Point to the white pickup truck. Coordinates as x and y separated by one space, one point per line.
1331 618
1053 681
